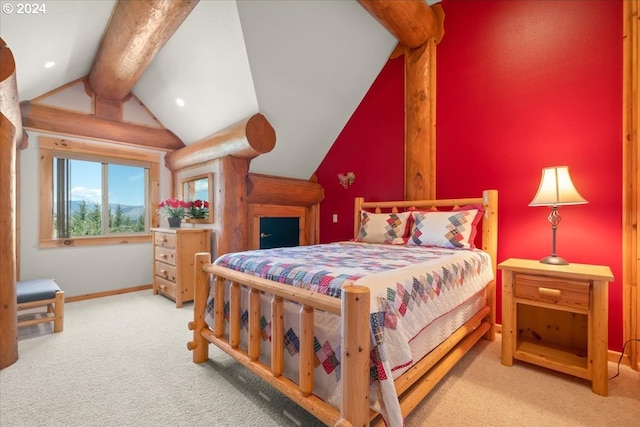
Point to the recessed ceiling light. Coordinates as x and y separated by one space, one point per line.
180 102
49 64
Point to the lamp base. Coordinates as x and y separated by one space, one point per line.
554 260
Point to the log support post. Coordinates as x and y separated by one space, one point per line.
8 299
9 132
420 129
233 233
418 28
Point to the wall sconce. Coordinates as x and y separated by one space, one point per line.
556 189
346 180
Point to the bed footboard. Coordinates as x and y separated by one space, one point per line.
353 307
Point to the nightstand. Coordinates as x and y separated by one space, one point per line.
556 316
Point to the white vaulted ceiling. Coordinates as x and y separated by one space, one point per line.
304 64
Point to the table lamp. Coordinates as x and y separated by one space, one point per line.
556 189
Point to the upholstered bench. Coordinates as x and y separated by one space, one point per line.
41 293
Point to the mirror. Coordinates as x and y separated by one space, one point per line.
198 187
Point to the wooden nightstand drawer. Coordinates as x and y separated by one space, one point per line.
165 240
553 290
166 255
165 271
166 287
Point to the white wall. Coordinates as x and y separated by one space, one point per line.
78 270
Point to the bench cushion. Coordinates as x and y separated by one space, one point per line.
36 290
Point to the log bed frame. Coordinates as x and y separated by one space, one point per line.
412 386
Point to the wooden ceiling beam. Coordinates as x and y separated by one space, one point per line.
275 190
44 118
246 139
136 32
412 22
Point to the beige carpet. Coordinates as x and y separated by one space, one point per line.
122 361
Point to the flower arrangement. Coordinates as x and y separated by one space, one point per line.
174 208
198 209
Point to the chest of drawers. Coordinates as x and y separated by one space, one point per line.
174 250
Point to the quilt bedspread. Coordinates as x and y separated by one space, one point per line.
410 287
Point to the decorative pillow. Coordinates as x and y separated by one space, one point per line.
454 229
383 227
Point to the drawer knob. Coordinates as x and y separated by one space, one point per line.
163 272
549 292
163 256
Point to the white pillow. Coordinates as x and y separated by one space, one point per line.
383 227
451 229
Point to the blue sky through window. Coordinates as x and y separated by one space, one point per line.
126 183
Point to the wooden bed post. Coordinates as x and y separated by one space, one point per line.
199 345
490 245
356 214
356 335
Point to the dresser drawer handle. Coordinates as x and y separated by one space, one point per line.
163 272
163 256
165 240
163 287
548 292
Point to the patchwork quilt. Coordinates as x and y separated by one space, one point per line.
410 286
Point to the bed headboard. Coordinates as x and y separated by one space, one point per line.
488 225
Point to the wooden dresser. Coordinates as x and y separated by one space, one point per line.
173 258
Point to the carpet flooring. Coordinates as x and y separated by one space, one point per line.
122 361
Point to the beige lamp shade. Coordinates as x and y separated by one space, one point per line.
556 188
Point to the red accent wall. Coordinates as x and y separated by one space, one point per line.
527 84
521 85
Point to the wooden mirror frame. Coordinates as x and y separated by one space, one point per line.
186 191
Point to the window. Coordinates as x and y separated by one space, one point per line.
91 194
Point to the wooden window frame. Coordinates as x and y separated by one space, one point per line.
48 146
